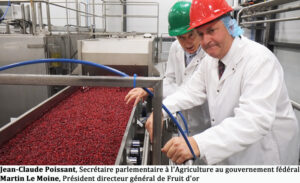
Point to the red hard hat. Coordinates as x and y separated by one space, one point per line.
204 11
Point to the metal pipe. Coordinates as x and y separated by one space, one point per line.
260 5
33 12
104 16
157 127
82 32
85 15
295 105
93 14
128 3
157 19
266 33
268 21
23 18
53 3
269 3
7 28
124 17
132 2
77 13
254 27
27 14
104 2
112 2
71 9
65 18
48 17
95 4
146 149
285 45
118 33
70 29
239 15
94 18
67 15
139 16
271 12
68 80
157 29
40 16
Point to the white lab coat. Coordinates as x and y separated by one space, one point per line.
251 115
176 75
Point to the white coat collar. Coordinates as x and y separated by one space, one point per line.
180 54
232 58
233 53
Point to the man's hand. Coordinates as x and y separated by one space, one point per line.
137 94
177 150
149 126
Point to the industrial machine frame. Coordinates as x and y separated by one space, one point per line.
12 128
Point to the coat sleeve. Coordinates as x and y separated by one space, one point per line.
169 81
253 118
191 94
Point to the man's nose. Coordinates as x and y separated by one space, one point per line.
205 39
189 41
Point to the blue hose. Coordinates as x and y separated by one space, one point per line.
184 122
180 114
3 16
65 61
105 68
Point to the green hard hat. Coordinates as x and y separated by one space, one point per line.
179 18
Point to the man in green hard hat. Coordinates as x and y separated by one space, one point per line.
184 58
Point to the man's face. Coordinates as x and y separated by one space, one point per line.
215 39
190 41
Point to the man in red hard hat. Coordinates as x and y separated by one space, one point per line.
251 115
184 58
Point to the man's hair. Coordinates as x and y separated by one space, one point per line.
231 25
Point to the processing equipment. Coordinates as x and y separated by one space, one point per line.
130 54
134 147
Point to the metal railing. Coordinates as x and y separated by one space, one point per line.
295 105
261 15
85 12
262 9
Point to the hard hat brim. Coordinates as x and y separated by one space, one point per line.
179 31
199 23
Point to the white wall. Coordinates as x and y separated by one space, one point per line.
114 24
143 24
164 7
